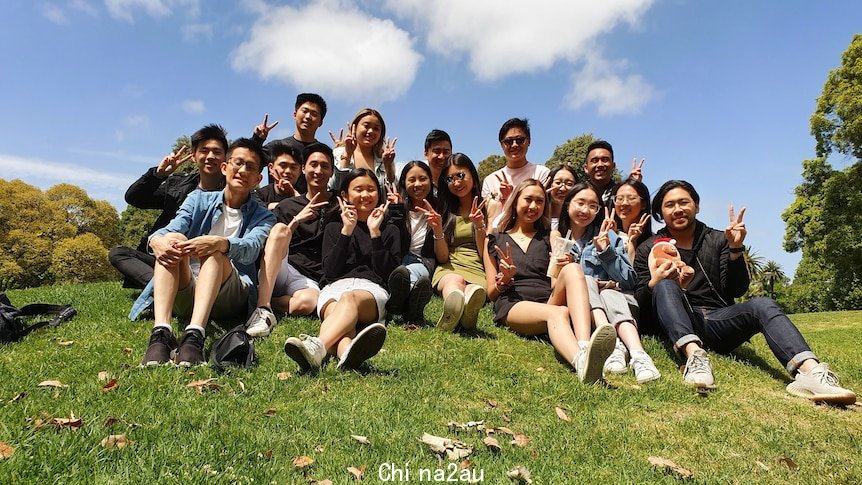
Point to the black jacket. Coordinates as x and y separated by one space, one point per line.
358 255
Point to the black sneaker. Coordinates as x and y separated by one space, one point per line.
365 345
191 349
162 343
420 295
399 290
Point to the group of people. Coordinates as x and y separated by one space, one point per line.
339 234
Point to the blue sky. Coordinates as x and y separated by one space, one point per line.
718 93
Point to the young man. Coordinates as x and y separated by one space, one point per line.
438 148
285 168
599 166
308 113
289 284
703 314
161 188
221 233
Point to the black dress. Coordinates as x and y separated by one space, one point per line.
531 280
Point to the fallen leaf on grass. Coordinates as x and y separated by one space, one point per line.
319 449
321 482
270 412
6 451
503 429
358 473
65 343
110 386
109 422
104 376
520 440
267 453
128 350
562 414
492 444
465 465
52 384
453 449
540 369
761 465
411 327
70 422
492 403
55 395
519 474
506 418
456 426
18 397
670 467
204 385
787 461
118 441
241 385
302 461
283 376
360 439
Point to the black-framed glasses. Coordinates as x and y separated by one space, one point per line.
249 165
450 179
520 140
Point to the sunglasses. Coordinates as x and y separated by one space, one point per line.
520 140
450 179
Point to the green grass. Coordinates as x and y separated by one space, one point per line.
421 380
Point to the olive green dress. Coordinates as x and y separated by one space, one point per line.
464 258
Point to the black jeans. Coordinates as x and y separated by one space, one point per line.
135 266
724 329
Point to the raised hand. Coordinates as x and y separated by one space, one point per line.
637 169
506 187
602 241
506 267
169 164
262 130
348 217
389 151
435 222
285 187
476 214
637 228
347 141
375 219
735 232
392 193
309 212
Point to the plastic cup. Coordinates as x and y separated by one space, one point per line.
560 246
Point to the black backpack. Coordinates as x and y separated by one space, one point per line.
234 349
13 326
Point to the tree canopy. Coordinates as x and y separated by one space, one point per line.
837 122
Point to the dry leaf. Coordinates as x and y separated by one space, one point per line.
492 403
411 327
18 397
506 418
6 451
65 343
201 382
562 414
110 386
302 461
453 449
503 429
520 440
109 422
519 474
491 443
670 467
761 465
104 376
118 441
283 376
55 395
267 453
52 384
321 482
540 369
786 460
361 439
270 412
204 385
357 472
241 385
70 422
456 426
319 449
465 465
128 350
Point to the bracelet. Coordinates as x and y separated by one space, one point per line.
438 238
502 288
737 250
483 228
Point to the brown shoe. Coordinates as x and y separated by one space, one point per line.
191 349
162 343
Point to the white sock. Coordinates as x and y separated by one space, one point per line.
164 325
194 326
583 344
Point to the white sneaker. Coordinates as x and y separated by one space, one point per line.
260 323
306 351
821 385
365 345
616 363
698 370
474 299
453 308
644 368
592 358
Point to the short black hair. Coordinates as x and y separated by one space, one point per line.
251 145
521 123
313 98
210 132
279 148
316 147
435 136
667 187
599 144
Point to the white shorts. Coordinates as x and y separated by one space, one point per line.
289 281
333 292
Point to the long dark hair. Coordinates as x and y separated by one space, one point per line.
565 224
448 201
643 193
402 182
510 213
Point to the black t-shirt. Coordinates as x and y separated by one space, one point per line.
299 145
267 195
305 246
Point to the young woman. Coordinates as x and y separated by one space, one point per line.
422 234
611 278
631 204
364 146
359 252
560 182
461 278
528 301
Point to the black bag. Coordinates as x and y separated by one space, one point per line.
12 325
234 349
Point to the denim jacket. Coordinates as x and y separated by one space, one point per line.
611 264
195 218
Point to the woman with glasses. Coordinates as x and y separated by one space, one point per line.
460 279
560 182
610 278
631 205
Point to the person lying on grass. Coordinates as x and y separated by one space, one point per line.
530 302
610 279
206 258
359 252
704 315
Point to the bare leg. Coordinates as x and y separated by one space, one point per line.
167 280
215 270
277 245
303 302
531 318
450 283
341 317
571 290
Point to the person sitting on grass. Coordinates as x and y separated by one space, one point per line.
560 183
285 169
610 280
291 264
205 258
461 278
704 315
359 252
526 299
422 231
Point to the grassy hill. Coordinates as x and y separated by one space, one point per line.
250 426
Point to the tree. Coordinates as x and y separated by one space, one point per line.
87 215
489 165
573 153
837 122
135 224
772 274
81 259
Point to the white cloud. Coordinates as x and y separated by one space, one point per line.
332 48
84 6
53 13
612 94
125 9
197 32
137 121
193 106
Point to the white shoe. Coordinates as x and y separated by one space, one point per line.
474 299
592 358
698 370
643 367
365 345
306 351
821 385
453 308
260 323
616 363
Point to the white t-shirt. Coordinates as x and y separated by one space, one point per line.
419 227
515 175
228 224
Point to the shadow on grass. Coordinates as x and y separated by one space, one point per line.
747 355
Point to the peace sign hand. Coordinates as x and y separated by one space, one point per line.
637 228
602 241
637 169
389 151
392 193
375 219
347 141
735 232
285 187
348 217
506 267
262 130
506 187
432 217
309 212
170 163
476 214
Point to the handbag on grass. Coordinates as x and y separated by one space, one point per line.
13 326
234 349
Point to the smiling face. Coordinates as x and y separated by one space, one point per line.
515 145
460 181
583 208
285 167
308 119
209 155
530 205
628 204
561 184
678 209
362 193
318 171
242 170
436 156
418 184
369 129
599 166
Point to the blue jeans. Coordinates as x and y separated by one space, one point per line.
416 267
724 329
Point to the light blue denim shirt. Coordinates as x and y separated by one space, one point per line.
611 264
196 217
